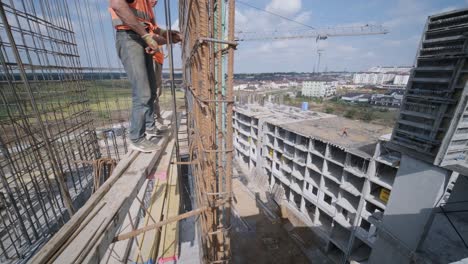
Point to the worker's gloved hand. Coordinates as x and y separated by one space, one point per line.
176 36
152 44
160 40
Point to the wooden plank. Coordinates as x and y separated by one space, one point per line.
81 226
133 177
118 252
154 257
149 240
169 245
60 238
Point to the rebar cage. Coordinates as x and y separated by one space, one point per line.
207 58
45 123
64 103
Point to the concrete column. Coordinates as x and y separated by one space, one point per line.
418 187
259 168
316 215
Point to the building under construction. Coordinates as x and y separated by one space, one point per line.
71 191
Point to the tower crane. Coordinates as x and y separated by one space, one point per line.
319 34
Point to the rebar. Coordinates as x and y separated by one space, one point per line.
50 108
45 124
207 57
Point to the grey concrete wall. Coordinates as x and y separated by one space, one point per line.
459 195
418 187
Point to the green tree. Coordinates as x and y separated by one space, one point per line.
367 115
329 110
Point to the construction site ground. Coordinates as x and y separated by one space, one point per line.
260 235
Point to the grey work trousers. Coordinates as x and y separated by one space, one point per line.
141 73
158 71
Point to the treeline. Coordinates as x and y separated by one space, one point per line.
81 75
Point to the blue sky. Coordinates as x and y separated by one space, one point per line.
404 19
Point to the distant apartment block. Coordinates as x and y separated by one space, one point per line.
247 86
318 89
383 76
401 80
387 79
390 69
373 78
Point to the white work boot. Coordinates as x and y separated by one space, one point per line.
157 131
160 124
144 145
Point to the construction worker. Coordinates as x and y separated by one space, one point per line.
137 40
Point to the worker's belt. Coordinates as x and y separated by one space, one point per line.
130 30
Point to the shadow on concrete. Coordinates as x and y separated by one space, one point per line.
261 235
447 237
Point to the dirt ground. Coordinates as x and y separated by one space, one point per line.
255 238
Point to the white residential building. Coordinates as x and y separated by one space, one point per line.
272 85
399 69
401 80
373 78
383 76
241 86
293 84
318 89
247 86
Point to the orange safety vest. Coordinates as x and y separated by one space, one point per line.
143 10
159 56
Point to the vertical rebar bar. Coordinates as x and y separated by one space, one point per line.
175 124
